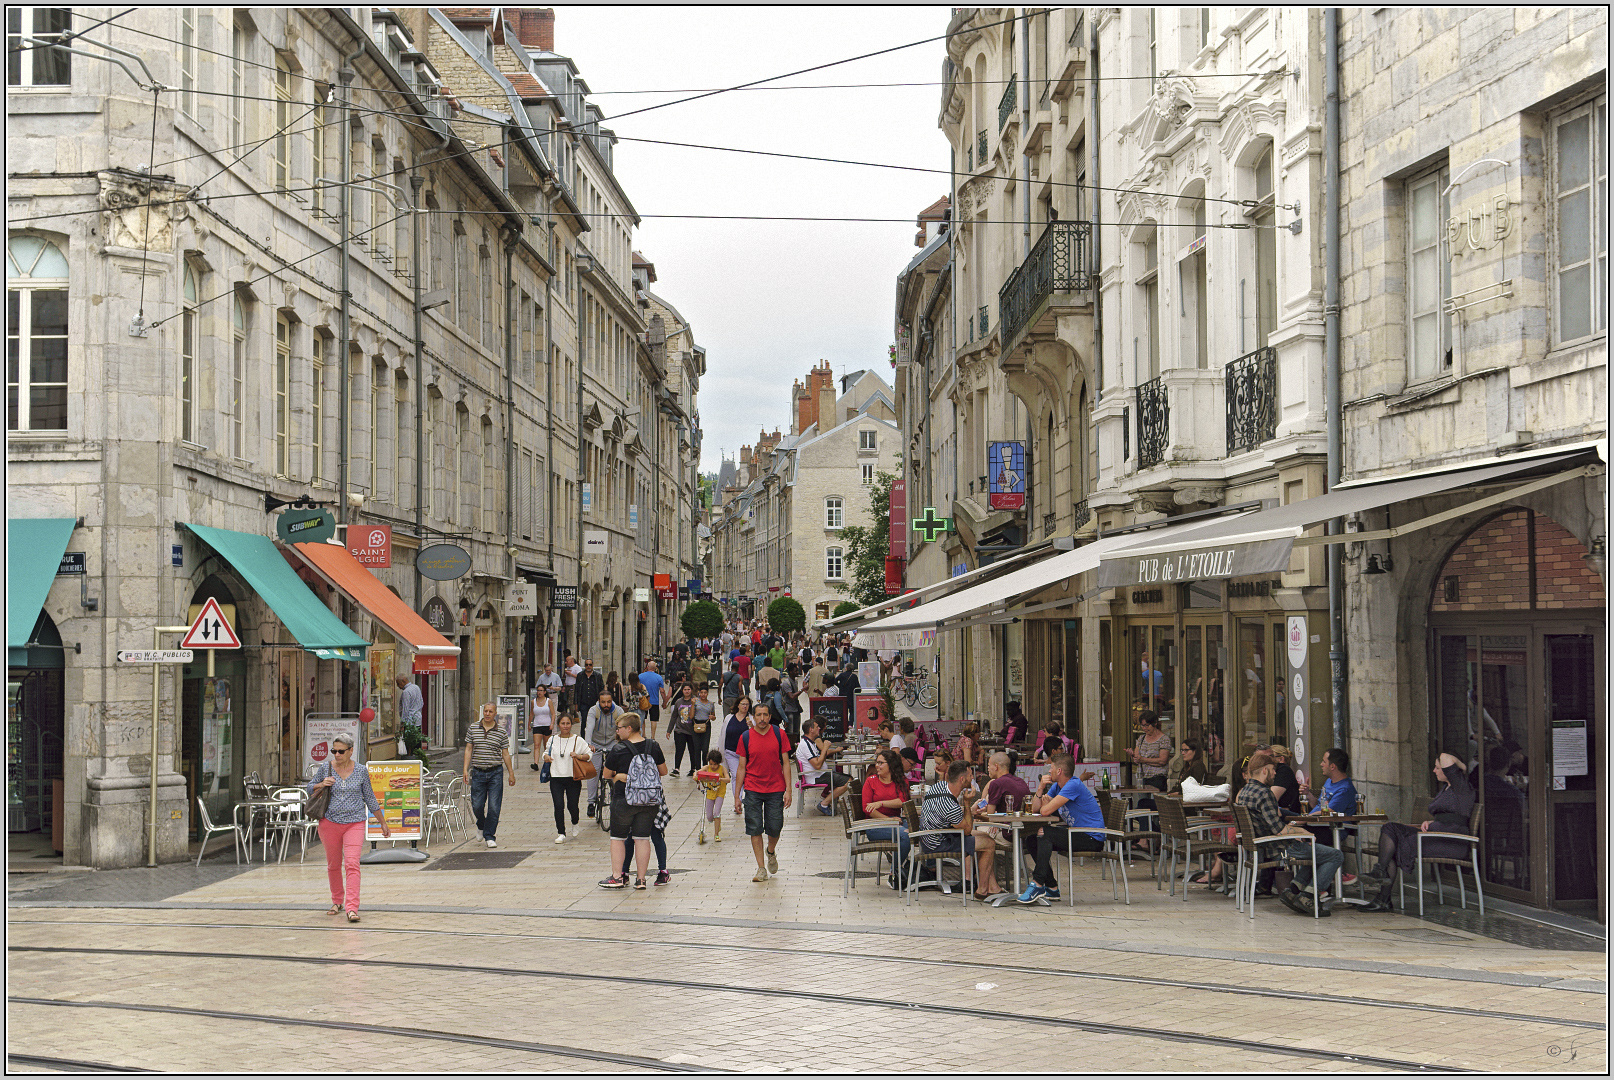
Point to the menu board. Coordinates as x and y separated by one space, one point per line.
397 789
830 712
318 733
870 711
512 711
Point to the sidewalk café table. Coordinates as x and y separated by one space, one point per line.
1336 823
256 808
1017 823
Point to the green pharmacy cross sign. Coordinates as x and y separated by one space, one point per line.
930 526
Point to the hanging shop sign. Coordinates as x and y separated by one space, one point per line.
370 545
588 498
893 576
563 597
641 595
1006 475
596 542
520 599
438 615
425 665
443 562
313 525
929 526
898 520
663 584
1259 557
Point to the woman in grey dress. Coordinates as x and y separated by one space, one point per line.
1398 843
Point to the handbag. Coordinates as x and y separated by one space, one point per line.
319 802
644 702
583 769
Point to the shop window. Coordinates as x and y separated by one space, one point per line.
36 335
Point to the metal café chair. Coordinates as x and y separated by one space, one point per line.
858 843
1251 864
439 806
1472 863
917 854
208 829
1181 836
293 818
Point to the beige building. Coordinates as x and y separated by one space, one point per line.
189 368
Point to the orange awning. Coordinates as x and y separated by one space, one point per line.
341 571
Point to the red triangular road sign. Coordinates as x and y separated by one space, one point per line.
211 630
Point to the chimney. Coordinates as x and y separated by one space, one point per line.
535 28
824 391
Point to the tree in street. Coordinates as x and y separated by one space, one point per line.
702 619
866 546
786 616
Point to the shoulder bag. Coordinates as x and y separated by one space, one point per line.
319 803
583 768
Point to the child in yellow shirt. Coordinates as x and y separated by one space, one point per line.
714 780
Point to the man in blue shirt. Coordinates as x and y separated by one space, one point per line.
1338 795
655 689
1079 814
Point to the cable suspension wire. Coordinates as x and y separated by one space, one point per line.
66 37
151 190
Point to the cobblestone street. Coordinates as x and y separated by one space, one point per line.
718 972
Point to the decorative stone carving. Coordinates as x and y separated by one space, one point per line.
131 223
1189 494
1153 502
1173 100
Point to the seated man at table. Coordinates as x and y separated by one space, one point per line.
1338 795
946 806
1076 807
812 761
1004 794
1267 820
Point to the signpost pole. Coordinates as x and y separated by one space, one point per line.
156 685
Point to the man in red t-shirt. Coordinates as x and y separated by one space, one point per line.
763 777
742 664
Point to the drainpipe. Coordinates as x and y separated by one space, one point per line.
344 328
1025 134
416 182
1094 265
549 393
511 238
1336 438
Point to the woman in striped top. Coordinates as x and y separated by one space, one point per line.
341 830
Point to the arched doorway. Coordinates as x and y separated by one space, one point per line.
35 713
1516 636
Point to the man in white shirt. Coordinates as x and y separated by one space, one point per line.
551 679
573 670
812 761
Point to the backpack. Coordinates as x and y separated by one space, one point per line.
781 745
644 781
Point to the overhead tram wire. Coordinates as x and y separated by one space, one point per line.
69 36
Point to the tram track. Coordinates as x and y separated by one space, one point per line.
1019 969
820 997
60 1064
484 1041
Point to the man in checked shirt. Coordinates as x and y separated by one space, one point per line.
1268 821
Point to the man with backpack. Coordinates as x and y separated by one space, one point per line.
634 767
733 690
763 779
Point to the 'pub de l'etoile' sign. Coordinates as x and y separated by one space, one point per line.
1204 563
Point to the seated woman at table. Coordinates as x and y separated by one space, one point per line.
968 747
1187 762
884 793
1398 843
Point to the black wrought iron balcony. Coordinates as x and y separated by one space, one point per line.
1049 521
1252 400
983 319
980 150
1084 514
1006 103
1057 263
1154 423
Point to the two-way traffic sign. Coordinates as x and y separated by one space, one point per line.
211 630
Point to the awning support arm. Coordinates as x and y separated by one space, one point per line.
1447 515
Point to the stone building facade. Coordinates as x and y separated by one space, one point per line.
185 344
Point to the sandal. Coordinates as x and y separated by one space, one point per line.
1201 878
336 909
353 916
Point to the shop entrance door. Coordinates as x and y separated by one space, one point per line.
1152 660
1204 665
1574 748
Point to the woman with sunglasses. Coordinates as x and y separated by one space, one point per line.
341 830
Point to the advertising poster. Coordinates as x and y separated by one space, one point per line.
512 710
868 675
397 789
869 710
380 696
317 737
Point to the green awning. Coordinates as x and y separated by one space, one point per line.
258 561
34 548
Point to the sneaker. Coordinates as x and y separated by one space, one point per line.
560 838
717 838
663 878
826 809
492 843
1348 879
673 773
773 863
590 812
760 875
1051 893
1033 893
614 883
638 883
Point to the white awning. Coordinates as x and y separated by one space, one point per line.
1261 543
854 619
906 629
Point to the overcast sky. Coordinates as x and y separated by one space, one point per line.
768 300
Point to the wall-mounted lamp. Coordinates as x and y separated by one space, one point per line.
1378 564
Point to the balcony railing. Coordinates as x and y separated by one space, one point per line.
1252 400
1084 514
1057 263
1154 423
1006 103
982 318
980 150
1049 521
